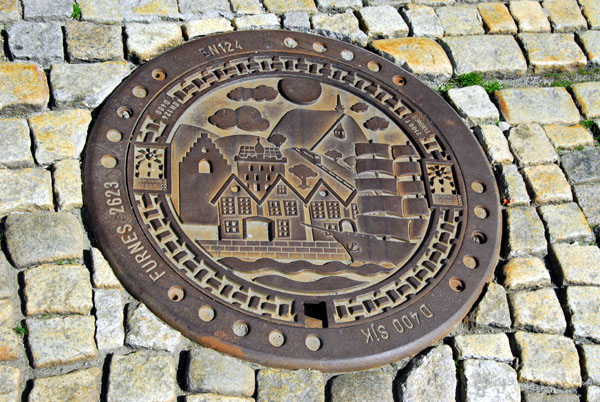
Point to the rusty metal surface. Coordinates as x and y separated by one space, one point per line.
292 200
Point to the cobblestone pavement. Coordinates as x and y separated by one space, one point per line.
68 331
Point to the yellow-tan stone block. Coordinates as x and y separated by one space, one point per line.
568 137
23 88
496 18
10 10
548 183
421 56
565 15
283 6
591 10
587 95
530 16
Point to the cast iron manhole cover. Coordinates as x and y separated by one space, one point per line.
292 200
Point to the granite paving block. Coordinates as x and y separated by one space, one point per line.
10 10
110 333
246 6
483 346
15 144
548 360
305 385
588 198
430 377
590 359
362 386
494 143
537 105
490 381
496 18
525 273
492 310
103 275
210 397
497 55
103 11
583 303
530 145
7 316
529 16
537 311
23 88
80 386
296 21
547 183
591 10
198 7
145 41
257 21
10 384
568 137
526 236
460 20
552 52
67 184
577 265
566 223
421 56
587 96
423 21
473 104
514 191
42 9
145 330
342 26
11 344
565 15
592 393
283 6
93 42
6 282
339 5
206 26
590 42
40 42
25 190
383 22
583 166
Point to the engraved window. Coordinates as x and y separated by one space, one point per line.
244 206
331 226
317 210
333 209
281 189
228 206
291 207
283 228
204 166
354 211
274 208
232 226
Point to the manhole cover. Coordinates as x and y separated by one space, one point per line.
292 200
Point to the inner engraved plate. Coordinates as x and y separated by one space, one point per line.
273 198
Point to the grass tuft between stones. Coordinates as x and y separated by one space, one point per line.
68 261
20 329
468 80
76 15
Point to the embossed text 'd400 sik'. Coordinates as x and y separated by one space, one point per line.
292 200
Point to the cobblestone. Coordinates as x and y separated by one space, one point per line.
421 56
530 145
40 9
338 5
210 371
494 143
590 42
36 238
216 398
537 105
36 41
258 21
591 10
145 330
588 198
489 381
25 190
296 21
103 275
583 303
539 397
80 386
383 22
590 359
10 344
246 6
206 26
6 312
577 265
548 183
484 346
104 11
592 393
566 223
141 377
58 289
299 385
492 310
473 104
59 134
499 55
23 88
15 144
10 10
587 95
61 340
568 137
526 236
460 20
145 41
77 85
430 377
198 7
109 319
339 26
552 52
529 16
497 18
424 21
10 384
538 311
513 187
93 42
67 184
548 360
362 386
283 6
565 15
525 273
5 282
583 166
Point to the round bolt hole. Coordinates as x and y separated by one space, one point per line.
176 293
108 161
319 47
240 328
139 92
114 135
347 55
276 338
124 112
206 313
456 284
399 80
480 212
470 261
290 42
313 342
478 187
478 238
374 66
159 75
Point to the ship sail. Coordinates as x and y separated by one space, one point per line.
374 165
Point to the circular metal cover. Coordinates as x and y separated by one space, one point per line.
292 200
